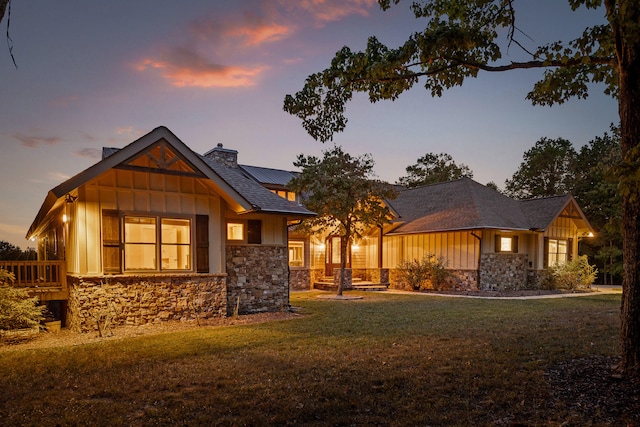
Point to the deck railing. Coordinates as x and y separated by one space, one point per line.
38 276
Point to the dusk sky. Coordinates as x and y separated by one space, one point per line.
103 73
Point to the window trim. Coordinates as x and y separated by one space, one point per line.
514 243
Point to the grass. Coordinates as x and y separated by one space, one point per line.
384 360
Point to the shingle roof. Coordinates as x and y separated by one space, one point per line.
242 193
465 204
261 198
268 176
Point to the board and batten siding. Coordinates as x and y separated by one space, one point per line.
140 193
458 249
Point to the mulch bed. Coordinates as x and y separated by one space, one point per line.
592 388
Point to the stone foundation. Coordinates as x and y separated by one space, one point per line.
137 300
257 279
500 271
300 279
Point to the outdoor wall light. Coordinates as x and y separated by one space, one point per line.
64 218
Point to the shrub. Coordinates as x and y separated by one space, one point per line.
574 274
17 309
428 273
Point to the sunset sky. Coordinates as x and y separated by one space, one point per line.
103 73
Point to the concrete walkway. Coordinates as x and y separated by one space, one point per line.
597 290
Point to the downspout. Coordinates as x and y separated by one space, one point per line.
473 233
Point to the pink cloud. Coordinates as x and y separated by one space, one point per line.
334 10
186 68
256 35
36 141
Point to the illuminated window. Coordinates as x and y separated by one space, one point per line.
140 243
558 251
176 244
153 243
235 231
141 249
285 194
506 244
253 234
296 253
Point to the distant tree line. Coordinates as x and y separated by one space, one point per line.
9 252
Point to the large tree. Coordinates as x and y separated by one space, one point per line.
344 193
433 168
461 38
547 169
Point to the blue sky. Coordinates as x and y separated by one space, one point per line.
94 74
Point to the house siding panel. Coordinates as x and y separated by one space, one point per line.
459 250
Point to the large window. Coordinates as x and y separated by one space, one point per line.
154 243
149 247
558 251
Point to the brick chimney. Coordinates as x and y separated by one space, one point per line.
223 155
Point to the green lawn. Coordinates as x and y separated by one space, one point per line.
383 360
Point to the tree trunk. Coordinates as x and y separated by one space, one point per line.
628 52
344 241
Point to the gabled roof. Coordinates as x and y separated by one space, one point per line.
241 193
465 204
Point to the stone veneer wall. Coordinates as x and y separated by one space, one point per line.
374 275
300 279
257 278
347 277
138 300
500 271
461 280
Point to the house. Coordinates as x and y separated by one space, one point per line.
486 239
155 232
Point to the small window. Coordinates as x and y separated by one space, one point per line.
506 244
296 253
235 231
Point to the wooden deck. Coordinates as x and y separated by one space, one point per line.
45 279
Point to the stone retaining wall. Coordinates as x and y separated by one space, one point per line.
257 279
137 300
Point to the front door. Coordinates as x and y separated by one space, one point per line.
332 256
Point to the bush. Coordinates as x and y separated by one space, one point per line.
428 273
17 309
574 274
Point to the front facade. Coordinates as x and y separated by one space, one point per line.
486 240
156 232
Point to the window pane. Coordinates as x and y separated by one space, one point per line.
176 244
505 244
140 243
235 231
140 256
176 231
139 229
562 246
